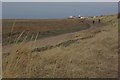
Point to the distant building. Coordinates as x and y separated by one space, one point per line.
94 17
72 17
79 16
82 17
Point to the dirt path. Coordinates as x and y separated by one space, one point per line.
50 40
43 42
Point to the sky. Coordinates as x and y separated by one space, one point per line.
0 10
119 7
41 10
59 0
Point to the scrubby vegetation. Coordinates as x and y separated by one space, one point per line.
91 53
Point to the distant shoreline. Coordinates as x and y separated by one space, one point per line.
53 18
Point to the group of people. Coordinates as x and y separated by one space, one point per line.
98 21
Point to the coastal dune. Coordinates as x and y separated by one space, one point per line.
71 51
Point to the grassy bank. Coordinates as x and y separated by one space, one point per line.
91 53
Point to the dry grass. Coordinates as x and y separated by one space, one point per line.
46 28
90 53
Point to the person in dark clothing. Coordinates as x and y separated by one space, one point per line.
99 20
82 21
93 21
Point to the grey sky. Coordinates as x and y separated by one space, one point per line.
0 10
60 0
57 10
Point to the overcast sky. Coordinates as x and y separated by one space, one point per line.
57 9
60 0
0 10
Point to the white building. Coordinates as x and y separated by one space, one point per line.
94 17
82 17
79 16
71 17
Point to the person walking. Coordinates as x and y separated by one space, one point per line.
93 21
82 21
99 20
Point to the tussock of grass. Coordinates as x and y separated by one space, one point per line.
63 44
